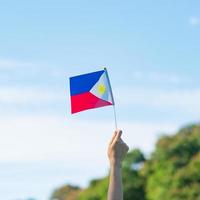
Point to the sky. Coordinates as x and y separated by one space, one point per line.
151 50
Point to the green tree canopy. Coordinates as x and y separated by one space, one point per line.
173 171
67 192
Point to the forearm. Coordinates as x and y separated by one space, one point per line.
115 191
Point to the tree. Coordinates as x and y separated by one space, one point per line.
173 170
67 192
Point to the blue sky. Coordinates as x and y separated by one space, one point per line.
151 50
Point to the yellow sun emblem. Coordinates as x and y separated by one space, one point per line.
101 88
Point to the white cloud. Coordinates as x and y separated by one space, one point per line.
157 77
30 68
12 64
194 21
187 100
27 95
51 138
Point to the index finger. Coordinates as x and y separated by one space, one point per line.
113 137
117 137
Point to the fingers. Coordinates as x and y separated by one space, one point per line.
113 137
117 136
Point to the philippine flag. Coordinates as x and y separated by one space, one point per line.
90 91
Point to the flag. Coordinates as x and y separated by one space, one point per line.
90 91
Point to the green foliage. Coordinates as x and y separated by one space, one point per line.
133 159
133 185
133 182
173 170
67 192
171 173
96 191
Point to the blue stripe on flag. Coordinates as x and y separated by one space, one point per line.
84 83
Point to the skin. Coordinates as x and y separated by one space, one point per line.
117 151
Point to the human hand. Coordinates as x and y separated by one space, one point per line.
117 149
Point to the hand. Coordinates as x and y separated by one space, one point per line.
117 149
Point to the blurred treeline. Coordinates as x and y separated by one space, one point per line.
172 172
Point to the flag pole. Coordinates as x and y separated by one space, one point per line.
115 116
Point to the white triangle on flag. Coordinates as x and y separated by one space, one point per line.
102 89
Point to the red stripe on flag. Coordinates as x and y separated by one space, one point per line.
86 101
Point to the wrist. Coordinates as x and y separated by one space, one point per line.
115 165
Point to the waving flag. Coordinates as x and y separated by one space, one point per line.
90 91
